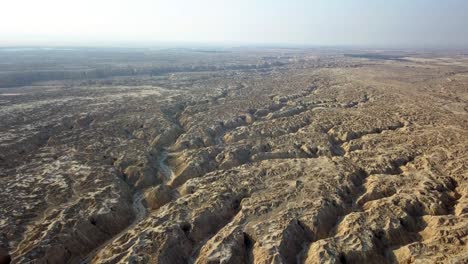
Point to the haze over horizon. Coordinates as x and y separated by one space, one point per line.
417 23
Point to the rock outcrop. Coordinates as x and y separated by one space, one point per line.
336 160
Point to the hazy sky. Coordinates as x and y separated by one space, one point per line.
314 22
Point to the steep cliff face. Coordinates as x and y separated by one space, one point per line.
362 162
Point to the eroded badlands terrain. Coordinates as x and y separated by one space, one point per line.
283 156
